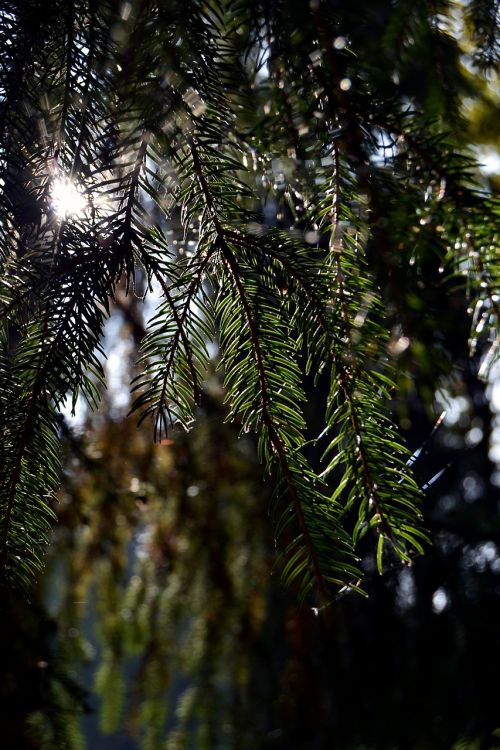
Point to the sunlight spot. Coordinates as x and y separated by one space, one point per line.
74 415
473 437
440 601
67 200
397 346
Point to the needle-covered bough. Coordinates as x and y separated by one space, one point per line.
281 193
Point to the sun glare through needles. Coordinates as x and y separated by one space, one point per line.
67 200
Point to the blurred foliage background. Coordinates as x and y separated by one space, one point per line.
160 623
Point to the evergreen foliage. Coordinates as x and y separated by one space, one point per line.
291 180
